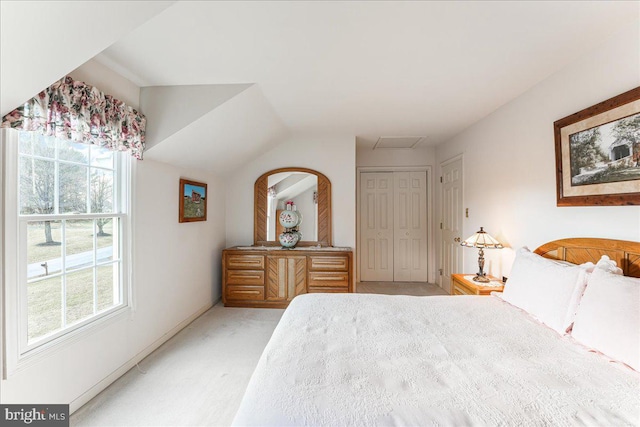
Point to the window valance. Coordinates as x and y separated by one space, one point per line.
74 110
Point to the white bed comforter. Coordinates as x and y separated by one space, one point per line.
358 359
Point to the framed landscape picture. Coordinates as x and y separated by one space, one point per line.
598 154
193 201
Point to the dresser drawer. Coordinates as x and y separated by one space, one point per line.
328 290
328 279
243 293
329 263
245 277
245 262
459 289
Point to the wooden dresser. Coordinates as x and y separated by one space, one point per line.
272 277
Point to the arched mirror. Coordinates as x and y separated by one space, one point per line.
310 192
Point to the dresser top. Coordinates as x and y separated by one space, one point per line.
299 248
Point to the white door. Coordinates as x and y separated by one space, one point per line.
410 227
451 251
376 226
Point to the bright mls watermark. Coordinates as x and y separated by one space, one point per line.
34 415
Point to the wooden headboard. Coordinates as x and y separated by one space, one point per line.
581 250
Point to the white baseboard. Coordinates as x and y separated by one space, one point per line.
106 382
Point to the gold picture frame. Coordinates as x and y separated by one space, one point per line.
192 201
598 154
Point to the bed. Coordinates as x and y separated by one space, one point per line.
363 359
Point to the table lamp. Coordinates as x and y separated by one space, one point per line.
481 240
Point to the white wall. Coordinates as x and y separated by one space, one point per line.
177 266
422 156
334 157
225 138
22 56
176 277
515 198
171 108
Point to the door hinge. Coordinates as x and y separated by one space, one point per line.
440 179
440 226
440 270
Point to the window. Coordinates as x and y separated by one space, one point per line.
72 212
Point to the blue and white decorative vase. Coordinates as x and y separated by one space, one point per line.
288 239
289 219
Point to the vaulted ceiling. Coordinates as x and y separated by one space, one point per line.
369 68
364 69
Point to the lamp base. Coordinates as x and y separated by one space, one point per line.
481 275
481 279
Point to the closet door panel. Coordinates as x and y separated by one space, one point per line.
410 227
376 226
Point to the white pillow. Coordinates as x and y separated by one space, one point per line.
608 318
607 264
545 289
587 266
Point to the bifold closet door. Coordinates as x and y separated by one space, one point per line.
376 226
410 227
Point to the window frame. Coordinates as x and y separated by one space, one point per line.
18 352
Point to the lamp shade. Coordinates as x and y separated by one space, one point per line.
482 239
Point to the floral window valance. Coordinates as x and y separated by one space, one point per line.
74 110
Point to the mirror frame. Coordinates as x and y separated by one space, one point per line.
260 209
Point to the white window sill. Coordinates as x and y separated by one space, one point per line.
65 341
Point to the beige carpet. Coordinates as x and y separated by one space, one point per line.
199 376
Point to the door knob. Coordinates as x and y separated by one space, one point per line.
406 234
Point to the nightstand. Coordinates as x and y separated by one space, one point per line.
463 284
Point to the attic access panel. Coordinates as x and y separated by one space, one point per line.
398 142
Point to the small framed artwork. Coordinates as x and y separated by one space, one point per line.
598 154
193 201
